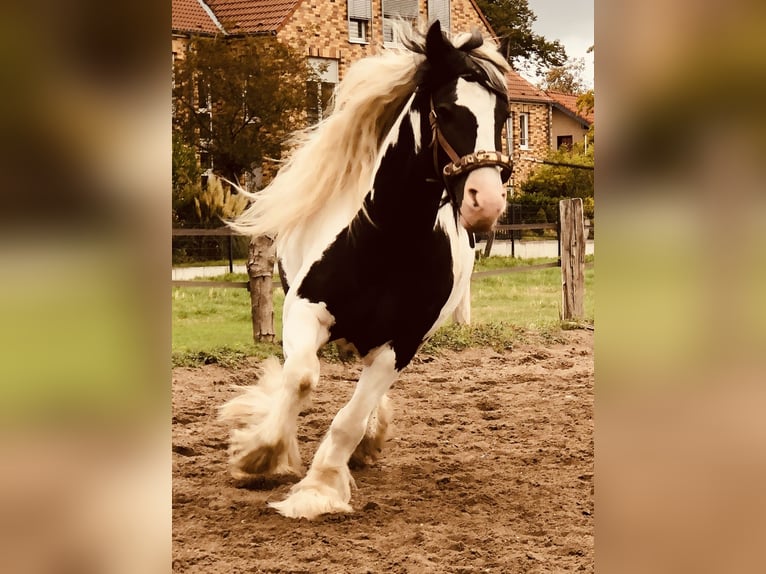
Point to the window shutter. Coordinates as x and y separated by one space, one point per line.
360 9
439 10
407 9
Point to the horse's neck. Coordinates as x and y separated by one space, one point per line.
404 199
405 191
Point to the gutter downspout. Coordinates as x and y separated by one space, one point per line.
550 126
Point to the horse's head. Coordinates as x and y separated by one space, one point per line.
467 110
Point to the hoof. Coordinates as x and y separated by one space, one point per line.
310 503
249 456
366 453
326 491
261 460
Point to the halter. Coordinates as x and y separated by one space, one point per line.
467 163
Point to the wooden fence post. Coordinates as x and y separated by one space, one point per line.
260 269
572 258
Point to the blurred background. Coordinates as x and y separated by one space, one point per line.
681 320
84 284
680 313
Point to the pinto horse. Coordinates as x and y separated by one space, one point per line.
373 217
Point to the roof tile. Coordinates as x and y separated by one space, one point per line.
569 102
252 16
520 90
191 16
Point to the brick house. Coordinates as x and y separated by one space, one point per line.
189 18
335 33
540 121
529 126
568 124
193 18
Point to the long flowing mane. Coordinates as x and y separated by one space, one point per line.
339 155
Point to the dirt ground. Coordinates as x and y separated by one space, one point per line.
489 468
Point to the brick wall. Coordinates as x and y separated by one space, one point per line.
319 28
539 139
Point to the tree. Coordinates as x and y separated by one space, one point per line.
237 99
512 21
566 78
586 102
186 181
550 182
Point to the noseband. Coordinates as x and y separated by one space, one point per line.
467 163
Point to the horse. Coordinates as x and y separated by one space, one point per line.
373 217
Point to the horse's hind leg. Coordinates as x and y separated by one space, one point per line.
327 485
267 441
369 448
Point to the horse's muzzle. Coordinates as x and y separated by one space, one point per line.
484 199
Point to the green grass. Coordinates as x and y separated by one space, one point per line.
530 299
213 325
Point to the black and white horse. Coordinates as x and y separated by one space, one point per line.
373 217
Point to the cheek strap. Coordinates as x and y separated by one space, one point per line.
466 163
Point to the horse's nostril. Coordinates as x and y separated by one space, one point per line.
473 192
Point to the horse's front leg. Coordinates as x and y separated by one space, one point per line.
267 414
326 488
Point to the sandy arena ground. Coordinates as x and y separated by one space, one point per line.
489 468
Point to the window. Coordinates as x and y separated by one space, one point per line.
359 16
205 124
203 94
439 10
524 130
205 161
204 116
392 9
321 89
563 141
509 134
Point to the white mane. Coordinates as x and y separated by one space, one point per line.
338 156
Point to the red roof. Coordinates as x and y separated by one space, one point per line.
520 90
569 102
191 16
252 16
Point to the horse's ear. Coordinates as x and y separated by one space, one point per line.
436 43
